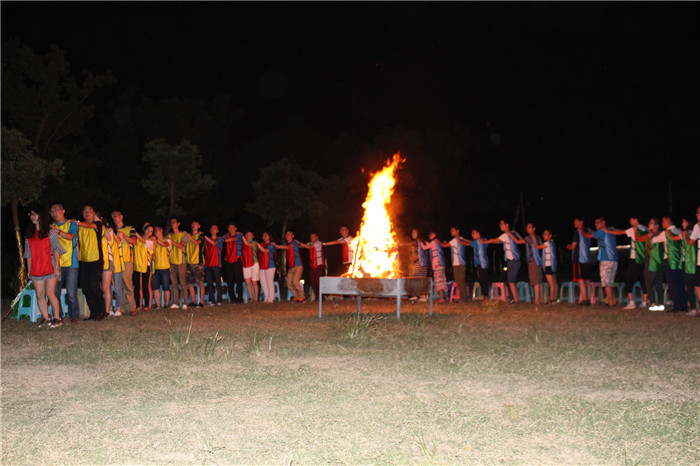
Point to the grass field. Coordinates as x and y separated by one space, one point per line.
475 384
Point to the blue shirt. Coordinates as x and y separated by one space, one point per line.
581 253
481 259
607 246
533 254
550 252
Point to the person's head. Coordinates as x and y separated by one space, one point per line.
654 225
432 235
697 214
195 226
685 223
666 221
232 229
266 237
57 212
454 232
249 236
88 213
344 231
158 232
174 224
118 218
289 236
530 228
147 230
415 234
504 226
476 234
106 222
313 237
600 223
214 230
546 235
578 223
634 222
39 220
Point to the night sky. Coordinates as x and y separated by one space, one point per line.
588 108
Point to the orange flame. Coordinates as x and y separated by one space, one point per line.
376 249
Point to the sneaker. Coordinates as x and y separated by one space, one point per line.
693 313
115 313
174 306
643 305
56 323
210 304
184 306
630 306
200 305
659 307
74 320
219 303
43 322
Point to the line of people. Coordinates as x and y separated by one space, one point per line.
121 270
657 252
147 268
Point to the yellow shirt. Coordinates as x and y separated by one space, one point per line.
125 247
67 244
110 252
142 256
87 245
175 252
161 259
193 250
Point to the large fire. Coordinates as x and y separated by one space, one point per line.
376 250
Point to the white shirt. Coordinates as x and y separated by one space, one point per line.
505 239
630 234
696 236
454 244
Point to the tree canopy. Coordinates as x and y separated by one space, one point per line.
175 173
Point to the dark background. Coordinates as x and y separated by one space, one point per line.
562 108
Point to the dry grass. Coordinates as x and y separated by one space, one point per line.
275 385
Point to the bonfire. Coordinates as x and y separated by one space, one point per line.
375 245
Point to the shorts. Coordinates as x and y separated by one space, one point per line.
194 274
161 278
512 272
534 271
608 269
252 273
549 271
582 272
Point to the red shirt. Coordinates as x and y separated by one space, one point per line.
41 256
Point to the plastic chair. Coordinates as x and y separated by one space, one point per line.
637 291
454 293
277 291
569 291
498 291
476 291
27 305
524 292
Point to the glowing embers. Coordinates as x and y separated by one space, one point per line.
376 250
